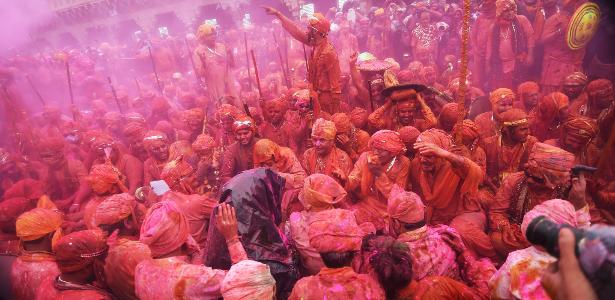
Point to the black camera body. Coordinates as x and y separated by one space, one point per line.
594 247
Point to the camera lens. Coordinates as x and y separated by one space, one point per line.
544 232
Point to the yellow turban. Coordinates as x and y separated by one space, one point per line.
324 129
38 222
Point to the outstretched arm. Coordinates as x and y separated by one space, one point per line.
288 24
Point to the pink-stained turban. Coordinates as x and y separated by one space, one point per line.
437 137
335 230
387 140
134 129
165 229
203 142
248 279
577 78
10 209
551 104
527 87
469 130
175 171
321 192
78 250
194 115
550 163
405 206
448 116
114 209
324 129
557 210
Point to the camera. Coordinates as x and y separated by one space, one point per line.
594 247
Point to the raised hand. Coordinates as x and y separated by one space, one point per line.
226 221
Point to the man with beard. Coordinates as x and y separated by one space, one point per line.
574 87
577 133
600 98
401 109
510 46
375 173
489 122
238 156
546 176
275 127
157 145
325 157
323 66
528 94
448 184
508 151
349 138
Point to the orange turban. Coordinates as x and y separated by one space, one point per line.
358 117
114 209
78 250
203 142
334 230
387 140
318 22
175 171
551 104
550 163
324 129
342 122
580 126
557 210
321 192
264 150
104 173
154 138
408 134
120 268
244 122
165 229
500 94
405 206
527 87
469 130
248 279
37 223
437 137
513 117
448 116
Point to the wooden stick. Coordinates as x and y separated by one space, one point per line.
151 58
38 95
117 101
277 47
70 87
258 80
245 43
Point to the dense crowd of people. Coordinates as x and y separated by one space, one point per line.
337 162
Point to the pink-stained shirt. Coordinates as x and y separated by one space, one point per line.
431 255
29 270
519 277
175 278
298 228
48 291
339 283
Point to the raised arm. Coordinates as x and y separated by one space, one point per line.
288 24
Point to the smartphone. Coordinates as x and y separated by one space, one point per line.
159 187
